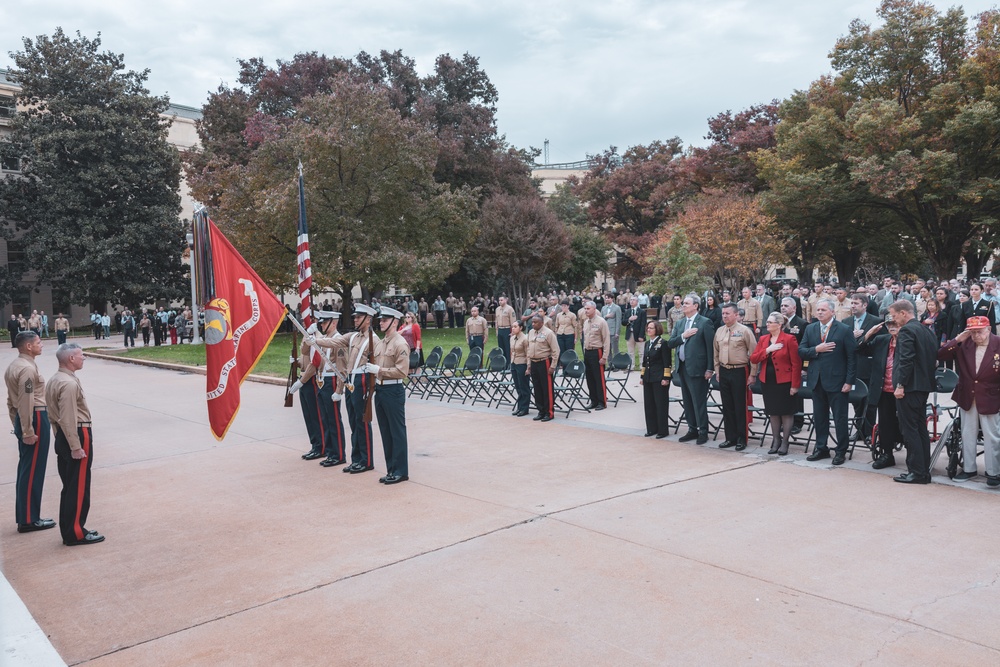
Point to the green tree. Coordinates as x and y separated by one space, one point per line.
675 268
97 200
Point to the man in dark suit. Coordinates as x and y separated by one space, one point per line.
976 352
861 322
913 376
634 321
829 347
976 306
692 338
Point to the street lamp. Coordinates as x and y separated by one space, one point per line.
195 336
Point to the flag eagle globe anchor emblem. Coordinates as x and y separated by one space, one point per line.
218 322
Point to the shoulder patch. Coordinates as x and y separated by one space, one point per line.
29 386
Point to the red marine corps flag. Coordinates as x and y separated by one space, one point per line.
241 317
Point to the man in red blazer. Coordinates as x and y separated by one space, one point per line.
976 352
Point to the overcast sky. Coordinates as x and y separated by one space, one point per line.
585 74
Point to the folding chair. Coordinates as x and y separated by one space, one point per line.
857 395
808 426
676 422
435 382
567 357
493 382
461 379
618 372
757 412
419 379
568 389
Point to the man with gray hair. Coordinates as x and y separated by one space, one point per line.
612 314
692 338
74 441
26 405
830 348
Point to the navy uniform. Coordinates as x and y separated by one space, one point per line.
26 405
390 369
356 347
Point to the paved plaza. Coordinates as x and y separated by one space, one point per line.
576 542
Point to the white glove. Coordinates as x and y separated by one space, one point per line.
337 398
313 329
309 340
372 368
295 387
292 360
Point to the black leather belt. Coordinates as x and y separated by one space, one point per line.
731 367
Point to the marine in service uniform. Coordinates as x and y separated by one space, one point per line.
596 348
732 346
519 369
74 445
565 326
477 331
543 357
502 320
62 329
390 368
26 405
356 347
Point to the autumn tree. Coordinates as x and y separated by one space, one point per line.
589 251
97 200
521 243
674 267
376 215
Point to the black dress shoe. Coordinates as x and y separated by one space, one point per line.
702 439
310 455
649 435
40 524
546 418
537 418
796 429
92 537
740 446
688 437
395 479
329 462
357 467
912 478
838 459
883 462
819 454
381 480
727 444
600 407
660 437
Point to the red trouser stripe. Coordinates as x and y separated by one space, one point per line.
604 385
548 386
37 419
367 425
337 425
81 483
746 435
319 417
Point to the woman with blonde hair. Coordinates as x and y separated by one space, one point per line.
777 357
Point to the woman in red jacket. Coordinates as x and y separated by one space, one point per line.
777 356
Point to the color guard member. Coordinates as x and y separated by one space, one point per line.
390 369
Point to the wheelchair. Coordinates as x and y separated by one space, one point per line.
950 442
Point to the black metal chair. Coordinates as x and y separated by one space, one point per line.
418 380
461 379
619 369
435 381
568 389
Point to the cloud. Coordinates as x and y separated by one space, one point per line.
584 74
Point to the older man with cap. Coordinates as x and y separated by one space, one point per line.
356 346
317 385
390 369
976 352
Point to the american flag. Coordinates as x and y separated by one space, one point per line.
305 274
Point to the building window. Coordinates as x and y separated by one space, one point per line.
7 106
780 272
10 163
15 258
20 302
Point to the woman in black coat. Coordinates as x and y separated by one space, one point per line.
656 381
712 311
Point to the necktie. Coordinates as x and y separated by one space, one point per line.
822 332
687 325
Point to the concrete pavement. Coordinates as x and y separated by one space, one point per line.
515 543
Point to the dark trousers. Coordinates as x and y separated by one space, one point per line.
74 502
439 318
912 413
733 389
823 402
309 400
522 386
864 421
694 392
541 382
31 464
476 342
596 385
145 336
888 422
157 333
361 431
566 342
333 423
129 336
503 342
390 410
423 319
459 319
656 402
60 337
451 318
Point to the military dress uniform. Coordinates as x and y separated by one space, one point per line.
655 395
356 346
309 402
543 355
392 356
70 417
26 405
503 318
320 412
596 347
732 347
475 332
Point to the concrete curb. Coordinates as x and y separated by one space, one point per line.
24 642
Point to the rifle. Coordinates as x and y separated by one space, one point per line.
293 371
371 390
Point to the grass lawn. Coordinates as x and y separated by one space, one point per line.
275 360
